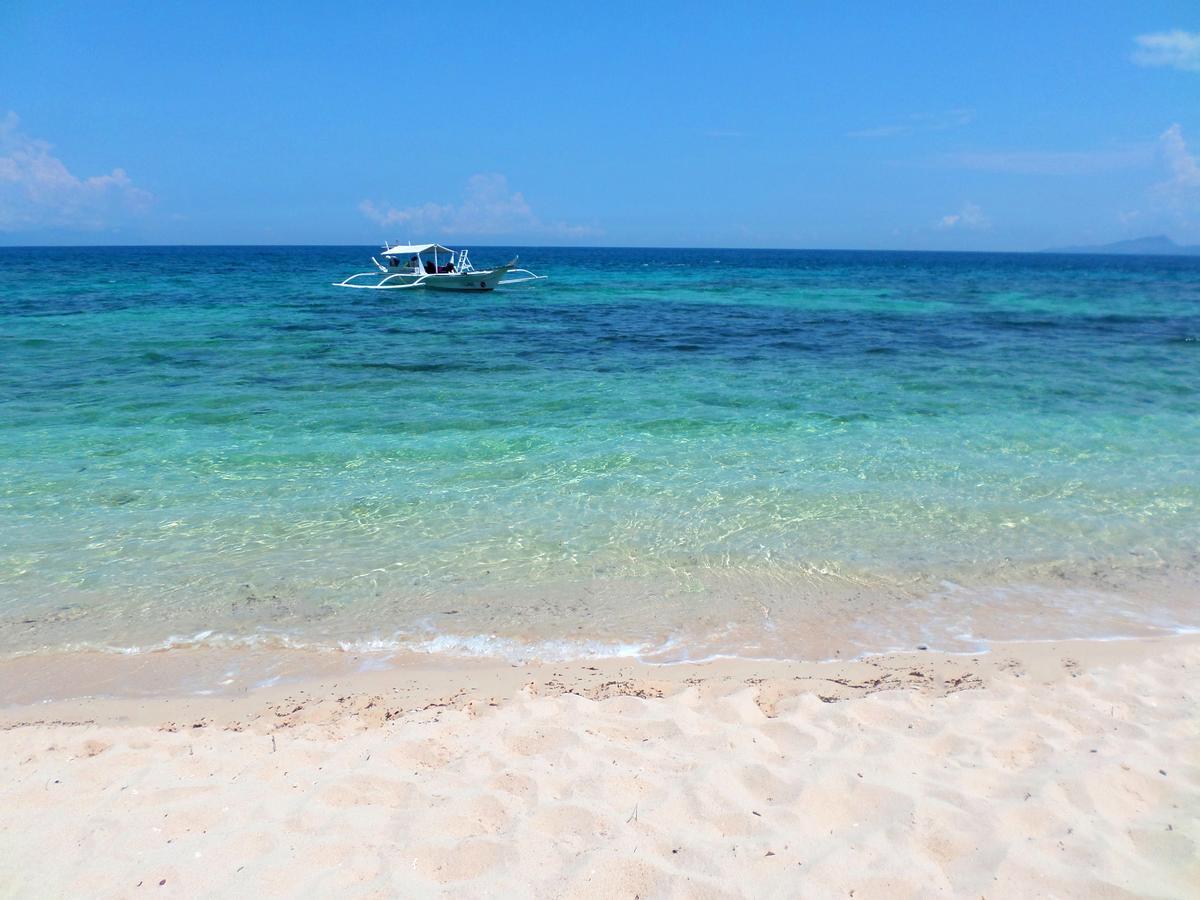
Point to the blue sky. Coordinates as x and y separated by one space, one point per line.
874 125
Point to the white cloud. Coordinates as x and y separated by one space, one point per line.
1171 203
1176 49
487 207
37 190
1184 169
941 121
1177 199
969 218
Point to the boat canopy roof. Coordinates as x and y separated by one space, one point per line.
410 249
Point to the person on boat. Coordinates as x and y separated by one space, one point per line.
429 267
413 261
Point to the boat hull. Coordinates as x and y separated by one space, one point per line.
449 281
471 281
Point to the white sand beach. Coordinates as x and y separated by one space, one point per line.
1065 770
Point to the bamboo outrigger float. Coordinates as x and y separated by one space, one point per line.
436 267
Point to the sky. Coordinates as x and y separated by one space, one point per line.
874 125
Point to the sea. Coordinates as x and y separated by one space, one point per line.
663 454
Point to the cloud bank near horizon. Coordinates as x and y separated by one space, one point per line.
1182 164
487 208
37 190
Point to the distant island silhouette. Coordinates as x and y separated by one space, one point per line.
1155 245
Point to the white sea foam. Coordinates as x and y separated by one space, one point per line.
491 646
952 618
482 646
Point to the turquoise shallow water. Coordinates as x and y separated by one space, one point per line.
673 451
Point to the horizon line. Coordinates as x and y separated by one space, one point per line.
1043 252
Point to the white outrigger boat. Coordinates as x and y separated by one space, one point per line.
437 267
